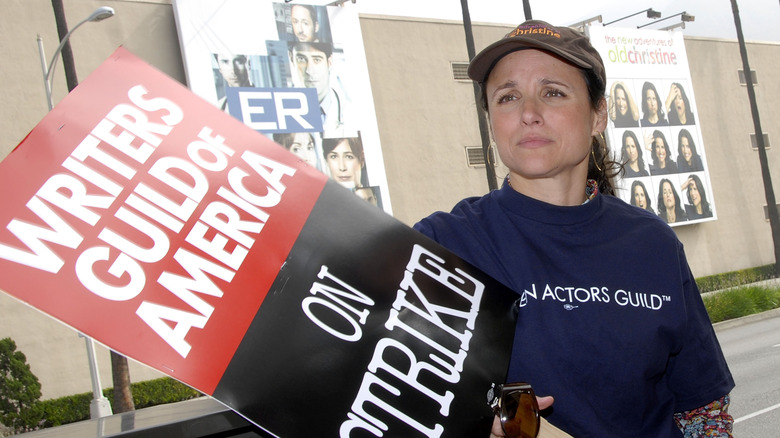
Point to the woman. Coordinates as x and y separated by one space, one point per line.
652 113
678 106
622 109
697 207
301 144
639 196
662 155
669 205
632 160
592 330
345 160
687 158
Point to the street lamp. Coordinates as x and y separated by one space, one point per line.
684 17
650 14
98 14
99 406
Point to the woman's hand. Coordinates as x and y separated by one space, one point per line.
673 93
497 432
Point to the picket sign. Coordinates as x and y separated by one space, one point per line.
141 215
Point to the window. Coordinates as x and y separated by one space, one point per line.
743 80
460 71
754 142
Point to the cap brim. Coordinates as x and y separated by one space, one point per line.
484 62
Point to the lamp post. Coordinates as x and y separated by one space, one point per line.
99 406
98 14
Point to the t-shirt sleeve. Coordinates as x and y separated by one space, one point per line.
698 374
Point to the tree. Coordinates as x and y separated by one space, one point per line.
123 395
20 390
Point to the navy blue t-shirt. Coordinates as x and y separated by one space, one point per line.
610 323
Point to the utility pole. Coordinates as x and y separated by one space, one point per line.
67 53
490 169
527 9
771 203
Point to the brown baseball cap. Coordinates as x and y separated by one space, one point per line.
565 42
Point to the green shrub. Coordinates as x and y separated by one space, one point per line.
740 301
149 393
735 278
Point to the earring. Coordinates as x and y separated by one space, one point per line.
593 154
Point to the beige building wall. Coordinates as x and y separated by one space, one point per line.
426 118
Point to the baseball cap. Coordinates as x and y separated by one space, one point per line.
565 42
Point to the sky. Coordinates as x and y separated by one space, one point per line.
713 18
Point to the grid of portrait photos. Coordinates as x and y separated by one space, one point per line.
654 128
656 138
295 73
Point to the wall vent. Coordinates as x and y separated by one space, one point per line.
754 142
460 71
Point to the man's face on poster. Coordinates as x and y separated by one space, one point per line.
234 70
314 68
304 26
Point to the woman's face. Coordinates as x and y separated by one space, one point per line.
693 192
668 194
652 101
660 151
631 150
685 149
640 199
541 116
344 165
303 147
679 103
621 101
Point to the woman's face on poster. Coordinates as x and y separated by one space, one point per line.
621 101
695 195
668 194
652 101
685 149
303 147
345 166
679 103
640 198
660 150
631 150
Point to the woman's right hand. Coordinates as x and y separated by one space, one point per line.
497 432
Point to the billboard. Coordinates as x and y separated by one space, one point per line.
294 72
654 128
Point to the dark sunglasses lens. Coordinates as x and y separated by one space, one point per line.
519 414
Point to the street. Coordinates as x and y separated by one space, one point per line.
752 349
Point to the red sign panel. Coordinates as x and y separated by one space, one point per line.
132 211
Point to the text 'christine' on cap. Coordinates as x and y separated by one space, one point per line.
565 42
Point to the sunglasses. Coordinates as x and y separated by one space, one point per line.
516 407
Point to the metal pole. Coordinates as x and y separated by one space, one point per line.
46 83
99 406
771 203
490 170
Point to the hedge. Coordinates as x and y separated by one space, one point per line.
74 408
